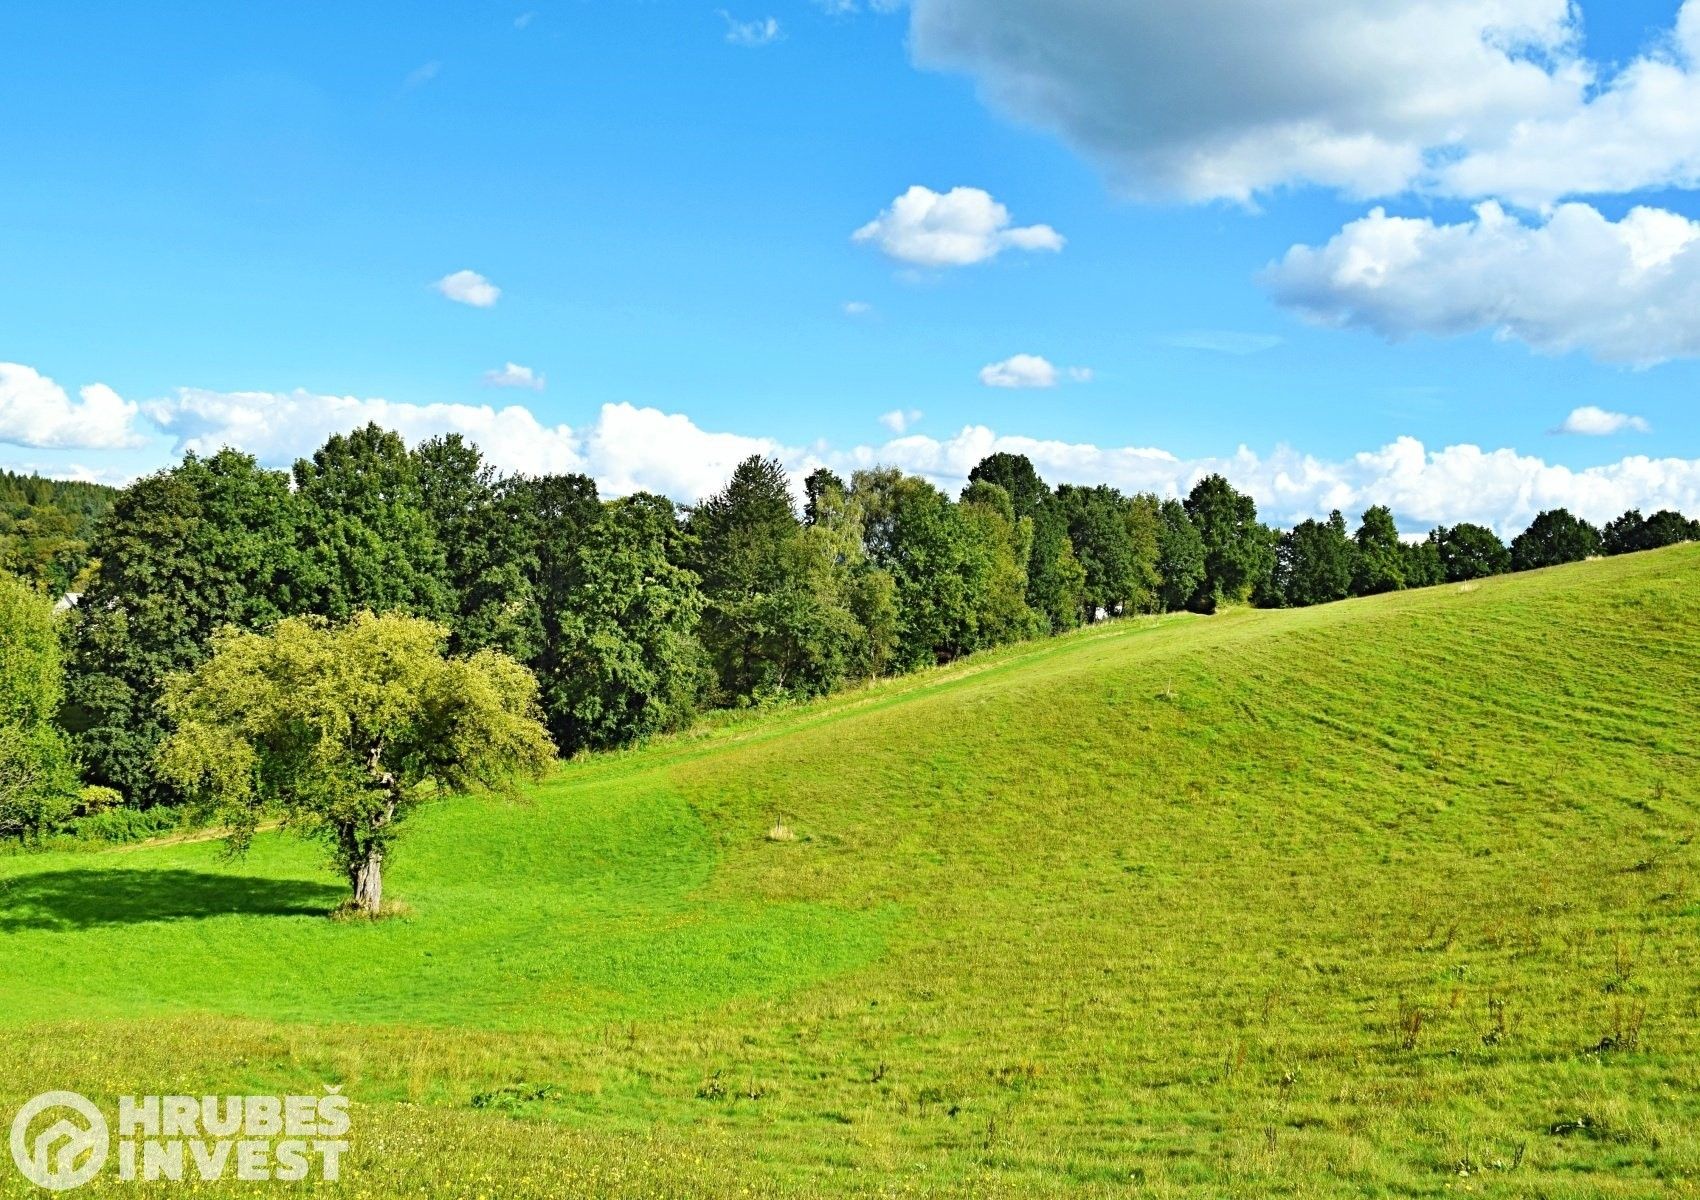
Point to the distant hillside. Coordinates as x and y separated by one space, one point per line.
1398 896
46 526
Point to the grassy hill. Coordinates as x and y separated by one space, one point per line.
1391 897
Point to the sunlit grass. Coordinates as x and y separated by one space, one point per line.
1392 897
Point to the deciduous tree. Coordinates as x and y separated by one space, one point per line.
345 729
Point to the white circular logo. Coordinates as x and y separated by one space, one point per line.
68 1150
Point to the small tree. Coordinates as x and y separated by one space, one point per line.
345 729
38 777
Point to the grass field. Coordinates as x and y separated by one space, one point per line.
1394 897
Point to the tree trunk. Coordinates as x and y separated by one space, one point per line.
369 882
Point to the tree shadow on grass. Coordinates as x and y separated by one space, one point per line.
83 899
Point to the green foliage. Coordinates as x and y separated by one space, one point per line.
1056 582
1000 546
914 534
1239 553
211 542
38 777
626 661
345 730
478 524
1180 557
1469 552
1263 905
1013 473
1378 565
1555 536
45 529
1631 532
367 537
1314 563
1102 537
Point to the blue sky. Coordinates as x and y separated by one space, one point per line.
255 205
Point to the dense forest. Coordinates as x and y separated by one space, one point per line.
46 526
635 613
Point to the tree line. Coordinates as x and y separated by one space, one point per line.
634 614
46 526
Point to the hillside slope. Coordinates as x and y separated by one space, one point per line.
1394 896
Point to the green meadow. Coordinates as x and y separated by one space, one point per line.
1390 897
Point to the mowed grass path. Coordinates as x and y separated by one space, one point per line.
1391 897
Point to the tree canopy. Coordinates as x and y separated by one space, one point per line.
345 729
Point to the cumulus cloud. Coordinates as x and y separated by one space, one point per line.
627 448
1500 488
954 229
761 32
35 411
515 376
469 287
1625 291
1468 98
279 427
1592 421
898 420
1029 371
858 308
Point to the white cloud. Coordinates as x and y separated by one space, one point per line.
35 411
1592 421
513 375
1500 488
954 229
1029 371
1019 371
469 287
279 427
1468 98
524 20
1223 341
858 308
898 420
626 448
761 32
1626 291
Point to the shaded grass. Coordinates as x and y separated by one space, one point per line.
1393 897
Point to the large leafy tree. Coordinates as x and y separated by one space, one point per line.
1056 581
999 545
345 730
1015 474
1380 564
1099 531
1314 562
1555 536
628 661
915 534
475 518
1144 517
368 541
555 513
1180 557
211 542
38 777
1469 551
1238 551
745 548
